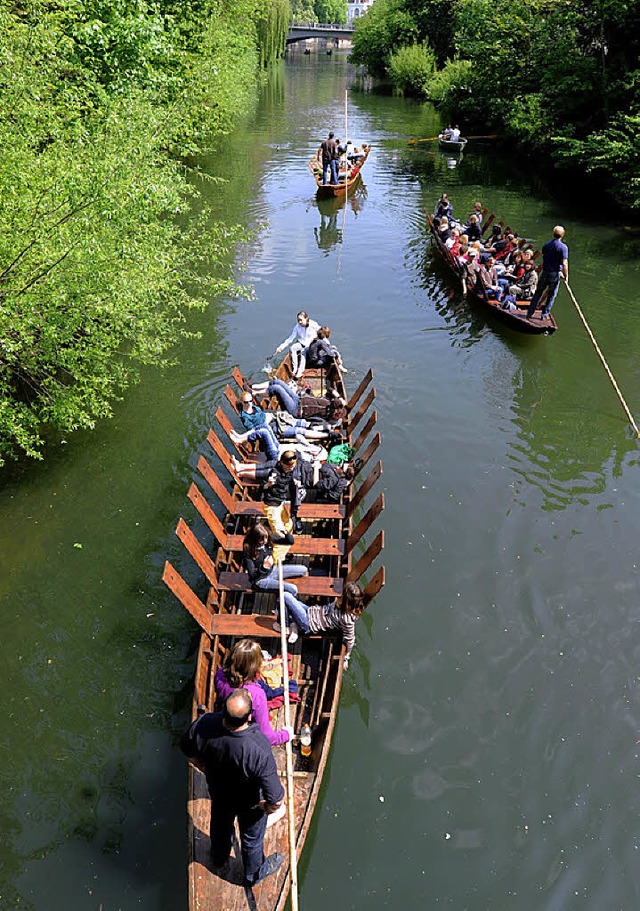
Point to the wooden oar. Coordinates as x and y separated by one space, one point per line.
601 356
293 857
433 138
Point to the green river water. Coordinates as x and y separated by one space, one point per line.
487 752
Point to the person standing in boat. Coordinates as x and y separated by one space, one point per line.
301 336
555 263
243 782
455 134
328 151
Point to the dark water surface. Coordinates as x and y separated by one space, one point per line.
487 749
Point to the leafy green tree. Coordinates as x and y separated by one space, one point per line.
99 263
331 10
411 67
386 28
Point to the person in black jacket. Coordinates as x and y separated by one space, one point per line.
243 782
321 353
259 562
284 486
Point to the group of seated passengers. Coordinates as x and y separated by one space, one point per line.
452 134
293 444
288 480
495 265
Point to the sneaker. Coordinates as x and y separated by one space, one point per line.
270 866
293 633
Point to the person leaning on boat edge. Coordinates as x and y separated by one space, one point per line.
555 262
242 778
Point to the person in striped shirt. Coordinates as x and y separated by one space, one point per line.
321 618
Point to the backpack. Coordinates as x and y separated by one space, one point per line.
340 454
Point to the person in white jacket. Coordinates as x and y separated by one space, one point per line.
302 334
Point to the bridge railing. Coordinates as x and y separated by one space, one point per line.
323 25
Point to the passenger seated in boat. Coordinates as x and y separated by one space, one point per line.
470 271
488 280
455 134
320 618
473 229
286 393
242 668
453 241
281 494
513 272
446 133
506 247
525 287
356 155
477 211
443 208
259 560
301 336
494 238
321 353
444 230
332 482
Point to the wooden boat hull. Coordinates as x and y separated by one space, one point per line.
326 190
515 319
448 146
233 611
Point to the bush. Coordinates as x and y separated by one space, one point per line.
411 68
450 88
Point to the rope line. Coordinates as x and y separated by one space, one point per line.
602 358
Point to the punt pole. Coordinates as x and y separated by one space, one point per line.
291 810
602 358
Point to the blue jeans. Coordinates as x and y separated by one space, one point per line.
297 611
289 571
550 280
268 441
333 165
289 399
252 825
297 432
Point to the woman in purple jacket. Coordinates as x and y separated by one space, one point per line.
242 668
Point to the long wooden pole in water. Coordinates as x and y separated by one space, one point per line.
602 358
291 810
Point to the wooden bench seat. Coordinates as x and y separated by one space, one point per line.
305 510
320 586
302 544
252 625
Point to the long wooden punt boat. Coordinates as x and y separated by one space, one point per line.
448 145
333 547
515 319
347 180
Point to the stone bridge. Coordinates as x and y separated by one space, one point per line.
300 31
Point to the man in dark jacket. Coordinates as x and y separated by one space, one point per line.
330 158
284 485
243 782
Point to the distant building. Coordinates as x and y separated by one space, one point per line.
357 8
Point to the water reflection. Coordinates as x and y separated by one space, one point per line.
334 212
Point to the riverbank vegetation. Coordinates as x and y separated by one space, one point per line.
103 104
558 78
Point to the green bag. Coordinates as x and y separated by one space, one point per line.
340 454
